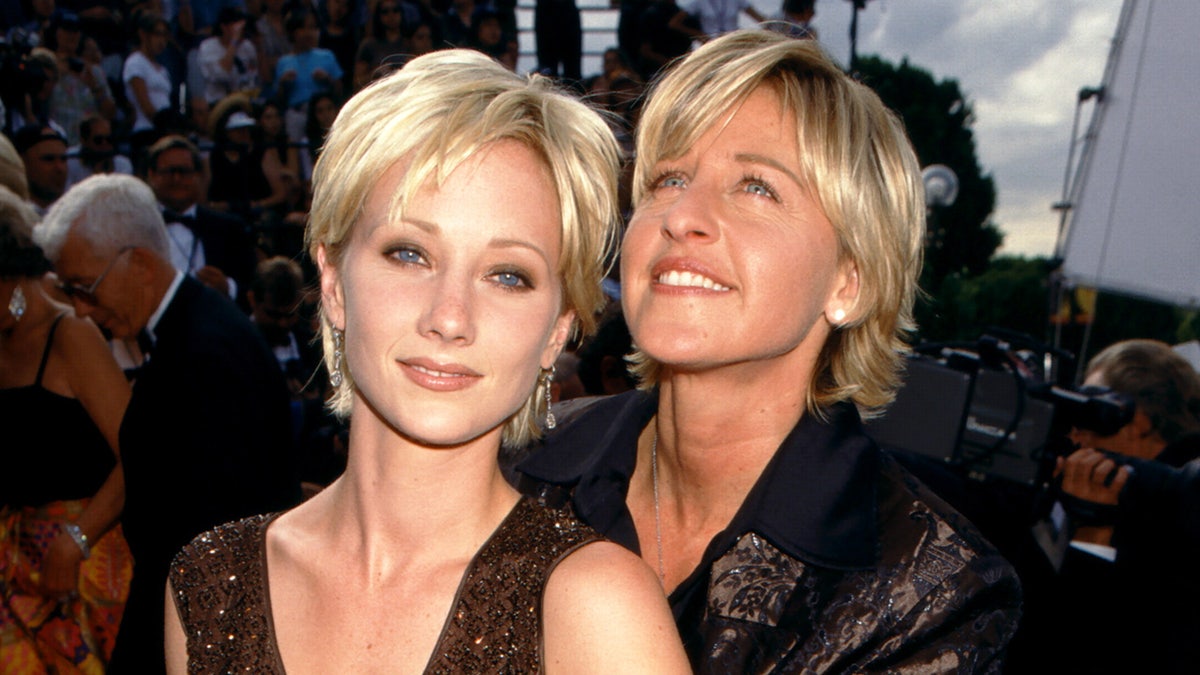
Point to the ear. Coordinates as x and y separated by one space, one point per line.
558 338
143 264
332 295
843 300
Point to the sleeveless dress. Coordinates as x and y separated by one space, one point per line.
494 626
54 459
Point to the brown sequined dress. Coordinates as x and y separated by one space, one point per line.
220 584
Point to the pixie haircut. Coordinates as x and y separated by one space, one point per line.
1164 386
856 162
434 114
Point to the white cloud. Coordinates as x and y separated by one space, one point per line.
1020 64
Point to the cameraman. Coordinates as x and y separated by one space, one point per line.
1130 587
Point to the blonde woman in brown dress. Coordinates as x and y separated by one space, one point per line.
461 218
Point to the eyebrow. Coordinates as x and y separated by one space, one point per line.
495 242
751 158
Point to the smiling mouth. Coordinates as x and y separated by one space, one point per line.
435 373
689 280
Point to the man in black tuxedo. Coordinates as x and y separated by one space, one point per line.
206 437
215 247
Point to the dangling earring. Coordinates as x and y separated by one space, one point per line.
16 304
550 421
335 377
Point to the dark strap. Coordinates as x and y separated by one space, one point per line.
37 382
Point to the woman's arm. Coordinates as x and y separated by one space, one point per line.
176 641
100 386
273 171
600 596
141 96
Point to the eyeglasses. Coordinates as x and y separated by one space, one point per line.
88 294
98 140
176 171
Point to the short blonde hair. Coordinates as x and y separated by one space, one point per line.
435 113
859 166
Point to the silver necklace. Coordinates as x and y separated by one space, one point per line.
662 573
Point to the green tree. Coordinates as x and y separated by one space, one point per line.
961 237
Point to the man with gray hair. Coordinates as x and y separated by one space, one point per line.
206 437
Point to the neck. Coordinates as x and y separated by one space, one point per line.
400 503
718 429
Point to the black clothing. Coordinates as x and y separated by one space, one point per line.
835 539
52 449
1141 613
205 440
556 24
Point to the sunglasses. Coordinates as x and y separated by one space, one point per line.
102 139
87 294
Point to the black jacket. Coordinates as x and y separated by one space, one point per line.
837 561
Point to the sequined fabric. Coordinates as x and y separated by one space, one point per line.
496 623
494 627
221 596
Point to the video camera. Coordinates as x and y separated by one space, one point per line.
994 409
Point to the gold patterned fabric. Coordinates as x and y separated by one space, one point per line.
39 634
220 588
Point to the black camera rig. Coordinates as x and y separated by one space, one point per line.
995 408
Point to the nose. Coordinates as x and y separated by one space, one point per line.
692 217
449 315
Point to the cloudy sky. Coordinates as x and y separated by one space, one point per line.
1020 63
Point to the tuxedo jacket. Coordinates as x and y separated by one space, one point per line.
205 440
229 245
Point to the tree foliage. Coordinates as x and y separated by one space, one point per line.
961 238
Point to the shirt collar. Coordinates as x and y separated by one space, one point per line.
815 499
162 306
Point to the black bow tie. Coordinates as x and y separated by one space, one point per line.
170 216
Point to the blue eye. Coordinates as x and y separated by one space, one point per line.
407 255
759 187
671 182
511 280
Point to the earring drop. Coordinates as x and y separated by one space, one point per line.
839 315
335 377
17 304
550 421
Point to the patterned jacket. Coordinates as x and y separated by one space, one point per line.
838 560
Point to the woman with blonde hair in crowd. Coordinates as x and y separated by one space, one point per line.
461 219
64 565
767 277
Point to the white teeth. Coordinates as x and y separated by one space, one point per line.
689 279
433 373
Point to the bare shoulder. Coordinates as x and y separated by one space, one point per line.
77 333
602 595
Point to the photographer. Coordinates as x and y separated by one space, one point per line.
1131 596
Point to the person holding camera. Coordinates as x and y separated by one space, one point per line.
1130 595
